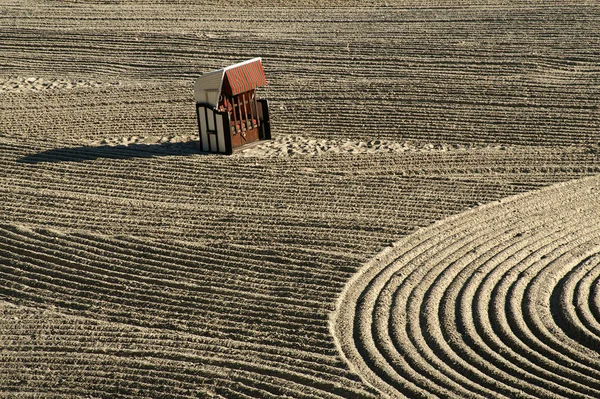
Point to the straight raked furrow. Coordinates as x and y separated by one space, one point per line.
125 287
478 305
100 358
82 114
334 201
168 294
374 72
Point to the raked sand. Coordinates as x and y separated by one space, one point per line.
133 266
500 301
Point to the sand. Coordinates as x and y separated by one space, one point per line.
498 301
131 265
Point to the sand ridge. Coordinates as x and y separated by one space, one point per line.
20 84
483 304
133 266
422 72
298 145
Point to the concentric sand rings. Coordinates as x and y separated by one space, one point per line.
500 301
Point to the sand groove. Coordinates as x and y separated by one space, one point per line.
377 71
133 266
243 268
495 302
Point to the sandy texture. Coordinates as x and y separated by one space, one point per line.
438 71
19 84
501 301
133 266
293 146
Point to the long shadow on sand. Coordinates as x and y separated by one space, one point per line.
80 154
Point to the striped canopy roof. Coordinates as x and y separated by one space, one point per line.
243 77
232 80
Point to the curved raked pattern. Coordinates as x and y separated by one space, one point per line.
500 301
132 285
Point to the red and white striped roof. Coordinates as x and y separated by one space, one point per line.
232 80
